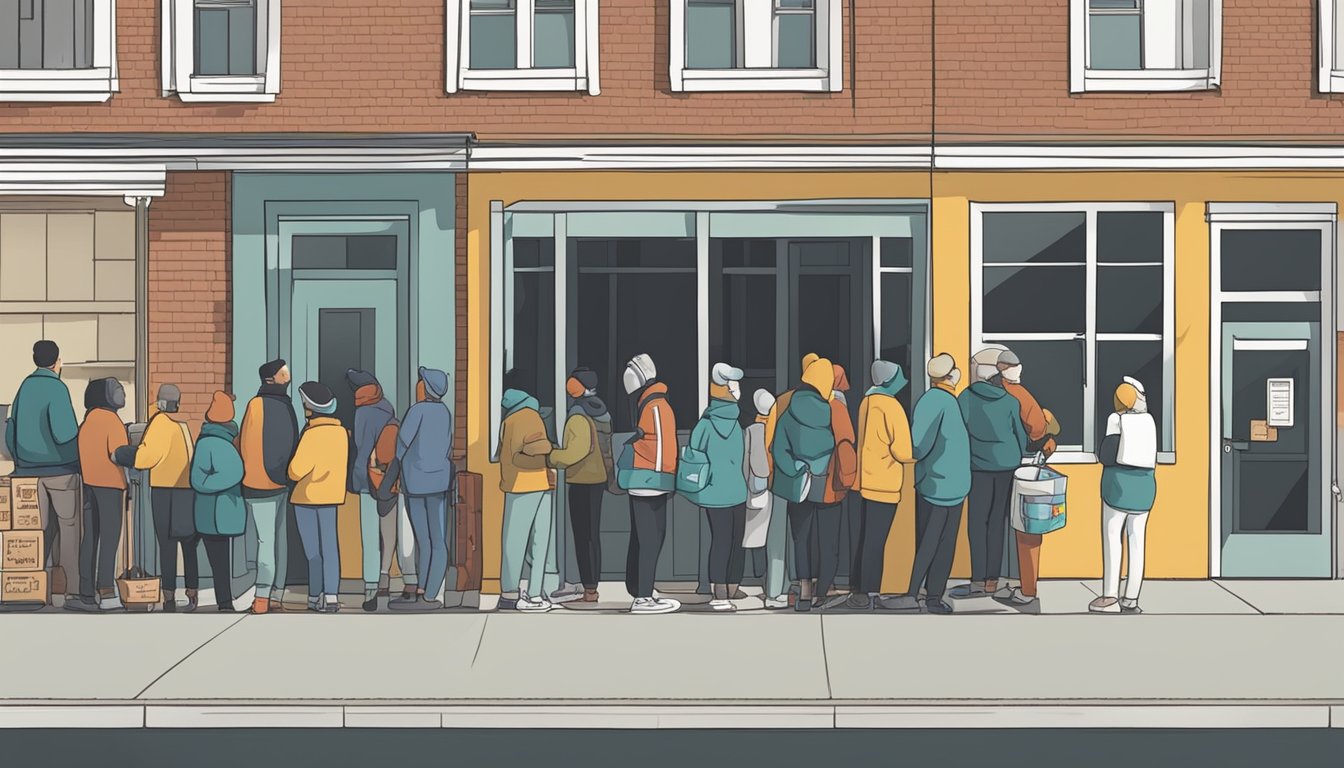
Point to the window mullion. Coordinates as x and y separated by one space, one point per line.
1090 333
523 17
758 44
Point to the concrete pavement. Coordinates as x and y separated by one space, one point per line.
1204 654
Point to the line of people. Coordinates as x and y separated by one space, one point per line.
204 492
801 456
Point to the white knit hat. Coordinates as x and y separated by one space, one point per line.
643 367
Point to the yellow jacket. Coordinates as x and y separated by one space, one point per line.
884 448
165 450
321 464
523 449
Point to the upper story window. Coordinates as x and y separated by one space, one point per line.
1145 45
755 45
522 45
1331 53
57 50
221 50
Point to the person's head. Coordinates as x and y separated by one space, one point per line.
1009 366
985 363
582 382
725 382
169 398
763 401
221 408
317 399
1130 397
820 375
435 383
942 369
358 379
105 393
639 373
808 360
274 372
47 355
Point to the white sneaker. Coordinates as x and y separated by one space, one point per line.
653 605
567 593
776 603
535 606
722 605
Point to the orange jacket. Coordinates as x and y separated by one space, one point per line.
1033 416
657 449
844 469
101 434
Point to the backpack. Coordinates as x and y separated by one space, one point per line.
602 440
384 479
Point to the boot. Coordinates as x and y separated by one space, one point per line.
590 595
735 592
169 601
261 605
191 601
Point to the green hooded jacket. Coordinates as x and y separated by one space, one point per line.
217 479
719 435
803 444
994 421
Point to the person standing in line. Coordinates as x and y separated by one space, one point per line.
424 448
723 497
841 476
101 434
801 453
1041 429
42 435
529 488
377 521
387 490
884 450
942 453
650 464
585 457
1128 493
267 439
165 450
217 480
319 471
760 506
998 441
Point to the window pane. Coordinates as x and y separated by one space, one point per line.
371 251
533 252
1128 237
553 36
1034 238
1197 19
1140 360
794 41
317 251
242 40
493 41
212 41
1114 41
1053 372
711 30
1129 299
895 326
534 336
1034 300
742 252
1271 260
655 252
1339 34
898 252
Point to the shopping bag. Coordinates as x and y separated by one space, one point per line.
1039 500
692 472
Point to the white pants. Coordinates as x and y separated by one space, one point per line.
1115 525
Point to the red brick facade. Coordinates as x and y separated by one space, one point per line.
190 301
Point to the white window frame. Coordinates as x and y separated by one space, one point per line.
758 74
1085 80
179 58
583 76
93 84
1079 454
1330 78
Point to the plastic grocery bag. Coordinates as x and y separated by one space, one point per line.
1038 504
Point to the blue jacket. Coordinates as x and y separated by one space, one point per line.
942 449
370 420
217 479
994 421
803 444
424 447
719 435
42 432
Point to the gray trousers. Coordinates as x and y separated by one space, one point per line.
60 505
987 522
269 515
102 534
777 541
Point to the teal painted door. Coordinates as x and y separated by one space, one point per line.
341 324
1273 487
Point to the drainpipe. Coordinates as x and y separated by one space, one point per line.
141 308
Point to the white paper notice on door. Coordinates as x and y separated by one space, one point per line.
1279 402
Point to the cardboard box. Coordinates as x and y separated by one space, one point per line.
23 587
138 591
26 515
22 551
6 506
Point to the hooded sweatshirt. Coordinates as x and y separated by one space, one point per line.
994 421
719 435
217 477
942 449
101 434
579 453
803 441
321 463
884 442
523 446
425 441
372 413
843 472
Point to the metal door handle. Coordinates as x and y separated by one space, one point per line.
1235 445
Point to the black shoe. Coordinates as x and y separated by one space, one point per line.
936 605
83 605
802 606
405 604
226 608
371 604
170 606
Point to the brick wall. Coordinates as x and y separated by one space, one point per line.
190 304
351 65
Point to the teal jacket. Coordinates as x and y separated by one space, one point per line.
719 435
803 444
42 432
217 479
994 421
942 449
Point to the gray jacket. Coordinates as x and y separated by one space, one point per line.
424 447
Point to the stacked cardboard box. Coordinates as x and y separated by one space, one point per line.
23 580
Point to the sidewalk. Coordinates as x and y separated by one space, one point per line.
1204 655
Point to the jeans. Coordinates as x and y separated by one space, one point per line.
826 545
268 514
987 522
776 548
102 533
935 546
429 520
61 512
802 521
370 535
727 558
528 535
648 529
585 516
1117 524
217 552
865 572
398 540
317 531
164 502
